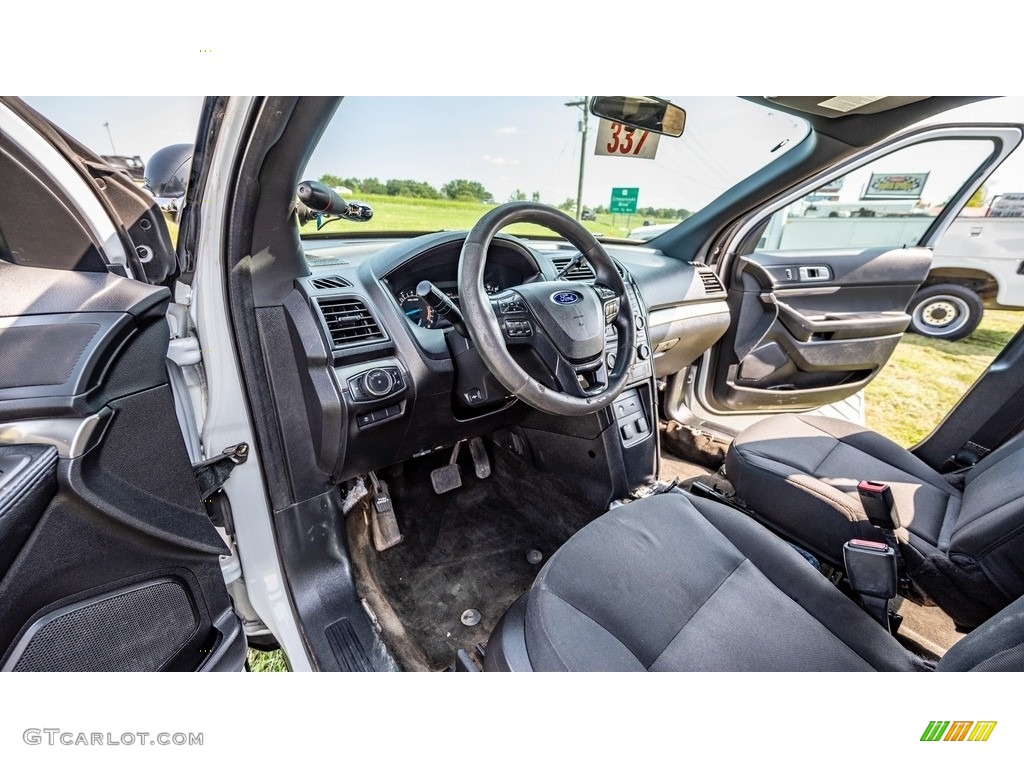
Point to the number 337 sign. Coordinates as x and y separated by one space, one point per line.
622 141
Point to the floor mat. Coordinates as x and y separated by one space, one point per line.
463 550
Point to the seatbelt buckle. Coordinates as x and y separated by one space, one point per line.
870 567
871 571
879 504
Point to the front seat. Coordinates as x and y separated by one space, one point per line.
679 583
964 549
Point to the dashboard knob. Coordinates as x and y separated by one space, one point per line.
377 382
643 351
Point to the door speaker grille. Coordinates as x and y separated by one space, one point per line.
133 630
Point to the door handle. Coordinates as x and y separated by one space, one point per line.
815 274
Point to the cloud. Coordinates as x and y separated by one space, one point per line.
498 160
510 130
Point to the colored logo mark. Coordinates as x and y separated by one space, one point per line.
565 297
958 730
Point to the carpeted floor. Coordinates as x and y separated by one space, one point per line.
465 549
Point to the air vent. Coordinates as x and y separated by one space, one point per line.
582 270
711 282
349 321
323 283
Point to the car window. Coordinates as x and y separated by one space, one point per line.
440 163
888 202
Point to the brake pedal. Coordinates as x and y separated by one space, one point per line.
448 477
383 522
481 462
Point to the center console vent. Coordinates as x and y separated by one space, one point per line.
581 271
349 321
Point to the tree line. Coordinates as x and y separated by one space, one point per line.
467 191
456 189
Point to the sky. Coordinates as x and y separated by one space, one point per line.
509 143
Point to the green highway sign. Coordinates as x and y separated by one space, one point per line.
624 199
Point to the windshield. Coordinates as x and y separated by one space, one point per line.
428 164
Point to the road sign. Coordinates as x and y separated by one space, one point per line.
624 199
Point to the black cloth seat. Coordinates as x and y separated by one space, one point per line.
964 549
679 583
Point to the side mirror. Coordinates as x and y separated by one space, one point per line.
645 112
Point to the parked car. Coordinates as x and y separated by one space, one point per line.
650 231
426 447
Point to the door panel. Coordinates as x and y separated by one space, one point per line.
816 327
108 559
820 284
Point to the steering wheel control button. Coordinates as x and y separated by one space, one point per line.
517 328
512 306
611 309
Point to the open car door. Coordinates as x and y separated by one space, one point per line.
108 558
820 283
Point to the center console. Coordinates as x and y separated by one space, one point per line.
611 452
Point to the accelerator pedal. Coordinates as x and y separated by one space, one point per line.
383 522
448 477
481 462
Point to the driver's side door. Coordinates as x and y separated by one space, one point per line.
109 560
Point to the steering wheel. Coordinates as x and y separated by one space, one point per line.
564 322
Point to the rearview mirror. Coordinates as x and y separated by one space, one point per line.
645 112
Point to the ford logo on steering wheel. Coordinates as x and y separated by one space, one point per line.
565 297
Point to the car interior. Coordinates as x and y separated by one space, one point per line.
469 440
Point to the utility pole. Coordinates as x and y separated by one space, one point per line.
583 151
111 137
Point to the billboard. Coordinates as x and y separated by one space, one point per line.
895 186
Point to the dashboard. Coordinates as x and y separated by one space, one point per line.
401 382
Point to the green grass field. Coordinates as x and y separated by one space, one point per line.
273 661
414 215
926 377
